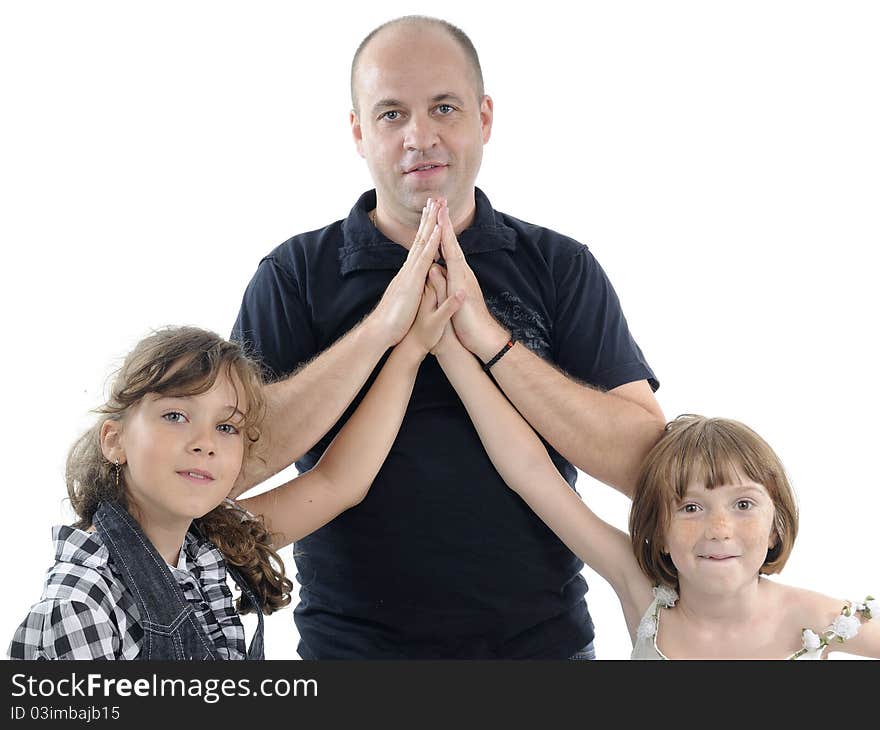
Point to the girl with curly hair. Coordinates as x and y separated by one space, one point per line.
142 573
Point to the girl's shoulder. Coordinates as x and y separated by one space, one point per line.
83 572
825 623
806 607
82 611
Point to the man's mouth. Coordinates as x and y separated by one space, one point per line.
424 167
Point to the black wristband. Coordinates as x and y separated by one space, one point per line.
501 353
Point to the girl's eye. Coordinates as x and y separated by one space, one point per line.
690 508
744 504
227 428
174 417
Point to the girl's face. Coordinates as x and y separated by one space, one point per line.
718 538
182 454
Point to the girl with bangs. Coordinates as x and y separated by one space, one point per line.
712 514
142 573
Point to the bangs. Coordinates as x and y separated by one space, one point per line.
199 373
714 453
187 362
190 375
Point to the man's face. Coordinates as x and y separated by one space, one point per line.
419 124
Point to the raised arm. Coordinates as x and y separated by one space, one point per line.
522 461
305 405
343 475
606 434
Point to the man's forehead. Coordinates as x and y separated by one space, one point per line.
406 38
418 62
414 84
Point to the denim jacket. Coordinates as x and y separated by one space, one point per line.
171 628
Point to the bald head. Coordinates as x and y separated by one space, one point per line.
415 23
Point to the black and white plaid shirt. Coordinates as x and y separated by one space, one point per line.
86 612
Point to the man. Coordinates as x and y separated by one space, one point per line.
441 560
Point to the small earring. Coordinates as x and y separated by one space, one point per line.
116 469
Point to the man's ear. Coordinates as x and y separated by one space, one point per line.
487 112
111 441
356 131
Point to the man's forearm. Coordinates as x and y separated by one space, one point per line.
604 434
305 405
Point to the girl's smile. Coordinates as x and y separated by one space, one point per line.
196 475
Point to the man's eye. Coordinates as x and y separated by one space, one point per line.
445 109
391 116
174 417
227 428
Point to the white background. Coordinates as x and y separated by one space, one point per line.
720 159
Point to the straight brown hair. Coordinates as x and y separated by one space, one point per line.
709 451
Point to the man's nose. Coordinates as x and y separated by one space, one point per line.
420 134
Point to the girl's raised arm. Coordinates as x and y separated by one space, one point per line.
343 475
524 464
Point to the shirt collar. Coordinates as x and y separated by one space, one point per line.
365 247
79 547
84 548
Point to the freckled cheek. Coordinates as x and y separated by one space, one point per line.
756 532
683 535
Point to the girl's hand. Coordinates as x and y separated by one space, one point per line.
432 319
475 326
396 310
448 339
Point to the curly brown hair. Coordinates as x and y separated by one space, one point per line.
185 361
713 451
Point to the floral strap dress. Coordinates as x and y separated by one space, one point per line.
844 627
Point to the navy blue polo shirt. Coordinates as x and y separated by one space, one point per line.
441 559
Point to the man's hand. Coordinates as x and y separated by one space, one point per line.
396 311
432 320
475 327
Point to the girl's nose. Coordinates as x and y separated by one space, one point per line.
203 442
718 527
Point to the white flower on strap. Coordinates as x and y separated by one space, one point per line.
845 627
812 640
665 596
